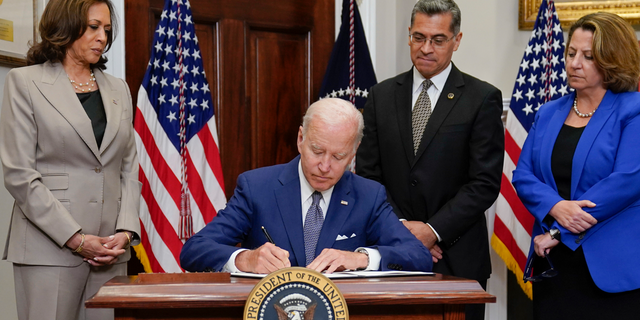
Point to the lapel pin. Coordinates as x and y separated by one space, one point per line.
450 96
344 203
115 102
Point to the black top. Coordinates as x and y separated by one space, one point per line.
93 106
562 158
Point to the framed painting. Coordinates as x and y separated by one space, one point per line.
569 11
17 30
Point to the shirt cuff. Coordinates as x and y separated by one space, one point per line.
435 232
374 258
230 266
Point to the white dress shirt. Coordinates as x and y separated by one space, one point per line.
434 91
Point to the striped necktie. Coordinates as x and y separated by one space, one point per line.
421 115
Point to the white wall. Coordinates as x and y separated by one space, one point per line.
491 49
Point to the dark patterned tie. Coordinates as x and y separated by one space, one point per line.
312 226
421 114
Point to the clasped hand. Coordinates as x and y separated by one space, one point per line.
100 251
570 215
268 258
425 234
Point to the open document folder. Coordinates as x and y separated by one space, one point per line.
349 274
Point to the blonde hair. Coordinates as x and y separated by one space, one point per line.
615 49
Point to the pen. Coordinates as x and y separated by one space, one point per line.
266 234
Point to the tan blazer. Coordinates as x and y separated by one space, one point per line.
61 182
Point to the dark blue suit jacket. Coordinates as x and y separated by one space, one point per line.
606 170
270 197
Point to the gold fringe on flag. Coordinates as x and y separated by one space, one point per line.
142 256
505 254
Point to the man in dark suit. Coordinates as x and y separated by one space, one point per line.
358 231
434 139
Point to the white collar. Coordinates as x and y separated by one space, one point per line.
306 190
438 80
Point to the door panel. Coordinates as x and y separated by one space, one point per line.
264 61
278 71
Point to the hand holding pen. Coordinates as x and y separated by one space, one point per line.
265 259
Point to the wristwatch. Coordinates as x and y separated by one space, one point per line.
555 234
362 250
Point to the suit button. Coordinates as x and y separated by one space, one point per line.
414 183
577 241
394 266
581 236
97 169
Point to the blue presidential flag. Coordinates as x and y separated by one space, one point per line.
350 72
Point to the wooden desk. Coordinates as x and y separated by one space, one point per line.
425 297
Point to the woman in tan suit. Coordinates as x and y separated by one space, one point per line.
68 153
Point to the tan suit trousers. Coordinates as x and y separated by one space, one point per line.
60 292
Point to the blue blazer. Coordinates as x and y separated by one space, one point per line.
606 170
270 197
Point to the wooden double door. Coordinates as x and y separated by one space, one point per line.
264 61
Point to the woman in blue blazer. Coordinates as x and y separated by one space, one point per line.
579 176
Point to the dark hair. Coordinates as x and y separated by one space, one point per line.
62 23
432 7
615 49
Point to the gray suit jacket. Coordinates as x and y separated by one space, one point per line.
61 182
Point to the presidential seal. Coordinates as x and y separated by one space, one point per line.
295 294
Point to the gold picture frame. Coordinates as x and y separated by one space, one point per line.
17 29
569 11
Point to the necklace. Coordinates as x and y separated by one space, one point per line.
580 114
81 86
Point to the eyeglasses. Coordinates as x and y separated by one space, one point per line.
436 42
551 272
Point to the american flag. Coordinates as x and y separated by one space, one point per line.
350 72
180 170
541 78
